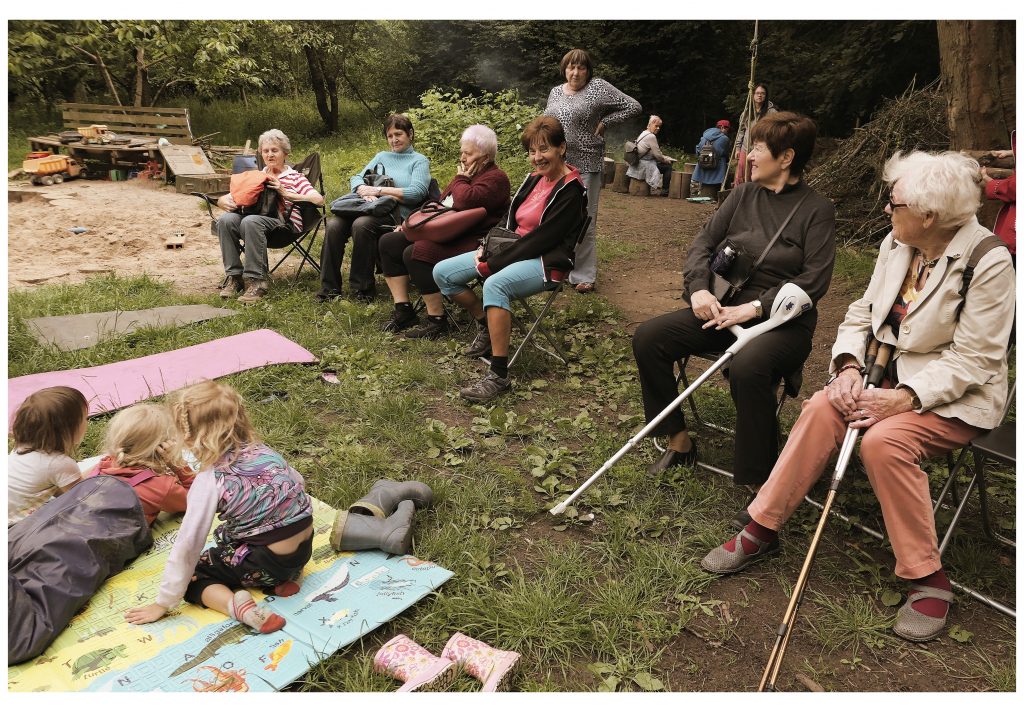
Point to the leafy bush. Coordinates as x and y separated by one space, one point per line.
444 115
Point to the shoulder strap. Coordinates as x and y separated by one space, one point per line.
141 477
981 249
778 232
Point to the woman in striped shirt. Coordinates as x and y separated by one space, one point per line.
235 229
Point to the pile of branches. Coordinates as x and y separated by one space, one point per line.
851 176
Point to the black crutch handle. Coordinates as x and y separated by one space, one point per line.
877 371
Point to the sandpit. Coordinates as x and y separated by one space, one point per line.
127 225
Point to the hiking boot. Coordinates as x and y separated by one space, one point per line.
401 319
481 344
385 495
255 291
488 387
435 328
358 532
233 284
723 561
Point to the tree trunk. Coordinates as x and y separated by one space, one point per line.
140 74
323 90
978 69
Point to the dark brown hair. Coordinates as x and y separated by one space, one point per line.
787 129
543 128
398 121
764 105
48 420
580 57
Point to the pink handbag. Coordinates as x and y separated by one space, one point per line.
438 223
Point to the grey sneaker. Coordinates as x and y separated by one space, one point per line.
481 344
486 388
256 290
233 284
723 561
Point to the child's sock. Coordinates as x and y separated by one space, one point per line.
763 533
244 609
932 607
285 589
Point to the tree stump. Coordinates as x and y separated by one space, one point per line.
679 186
639 187
608 172
621 182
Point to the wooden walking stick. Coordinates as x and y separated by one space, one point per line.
875 362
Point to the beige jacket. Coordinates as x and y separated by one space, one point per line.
957 367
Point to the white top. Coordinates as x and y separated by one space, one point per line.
33 478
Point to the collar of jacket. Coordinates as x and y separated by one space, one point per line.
527 186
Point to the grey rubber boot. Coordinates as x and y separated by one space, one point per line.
385 495
358 532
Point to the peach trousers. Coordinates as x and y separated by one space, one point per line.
891 450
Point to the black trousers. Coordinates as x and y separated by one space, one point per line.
261 568
396 260
364 232
753 375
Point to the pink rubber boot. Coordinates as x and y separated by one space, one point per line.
488 665
404 659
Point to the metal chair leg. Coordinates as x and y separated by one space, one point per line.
537 325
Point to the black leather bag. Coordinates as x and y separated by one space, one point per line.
497 240
354 205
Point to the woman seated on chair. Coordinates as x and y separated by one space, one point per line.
547 213
803 254
947 380
478 183
234 229
411 173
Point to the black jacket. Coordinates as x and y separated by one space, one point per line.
554 239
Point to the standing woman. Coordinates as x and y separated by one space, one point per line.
585 106
762 107
411 172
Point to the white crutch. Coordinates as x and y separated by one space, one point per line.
790 302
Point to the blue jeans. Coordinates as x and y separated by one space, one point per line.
519 279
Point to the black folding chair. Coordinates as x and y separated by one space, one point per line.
285 236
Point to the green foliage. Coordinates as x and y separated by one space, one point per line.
442 116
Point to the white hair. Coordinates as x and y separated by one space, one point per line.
276 135
483 137
654 117
946 184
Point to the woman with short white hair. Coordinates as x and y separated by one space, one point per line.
945 385
234 229
478 183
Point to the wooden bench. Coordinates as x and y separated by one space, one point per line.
143 126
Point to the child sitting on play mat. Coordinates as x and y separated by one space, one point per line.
143 449
266 535
48 426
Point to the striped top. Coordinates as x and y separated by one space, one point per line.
293 182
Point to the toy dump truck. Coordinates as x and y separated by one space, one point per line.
47 169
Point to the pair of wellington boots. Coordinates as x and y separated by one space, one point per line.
408 661
382 519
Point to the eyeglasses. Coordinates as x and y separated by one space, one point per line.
892 205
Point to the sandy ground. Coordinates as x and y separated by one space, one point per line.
127 225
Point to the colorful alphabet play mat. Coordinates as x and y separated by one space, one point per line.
343 597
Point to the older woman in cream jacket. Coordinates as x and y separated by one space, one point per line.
947 381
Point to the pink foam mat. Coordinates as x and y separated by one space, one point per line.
116 385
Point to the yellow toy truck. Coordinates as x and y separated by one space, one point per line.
48 168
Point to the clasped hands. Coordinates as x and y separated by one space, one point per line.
863 407
706 306
368 192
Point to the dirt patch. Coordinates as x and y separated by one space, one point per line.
126 225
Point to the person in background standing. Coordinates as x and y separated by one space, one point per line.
711 176
762 107
585 106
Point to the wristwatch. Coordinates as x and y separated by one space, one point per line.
758 311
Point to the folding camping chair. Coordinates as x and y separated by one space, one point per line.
313 218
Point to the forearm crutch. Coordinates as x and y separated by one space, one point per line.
875 362
790 302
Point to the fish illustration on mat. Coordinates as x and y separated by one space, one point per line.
97 659
223 681
236 633
278 655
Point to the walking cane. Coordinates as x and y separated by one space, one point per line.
790 302
875 362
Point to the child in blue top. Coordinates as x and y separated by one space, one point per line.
266 534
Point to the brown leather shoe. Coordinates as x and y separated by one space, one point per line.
233 284
255 291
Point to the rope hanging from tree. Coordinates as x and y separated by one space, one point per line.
748 108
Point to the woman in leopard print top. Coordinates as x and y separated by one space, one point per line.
585 106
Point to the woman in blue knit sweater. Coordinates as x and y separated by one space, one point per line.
411 173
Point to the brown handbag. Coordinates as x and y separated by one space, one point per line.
438 223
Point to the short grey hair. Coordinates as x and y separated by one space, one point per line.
945 184
654 117
276 135
483 137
